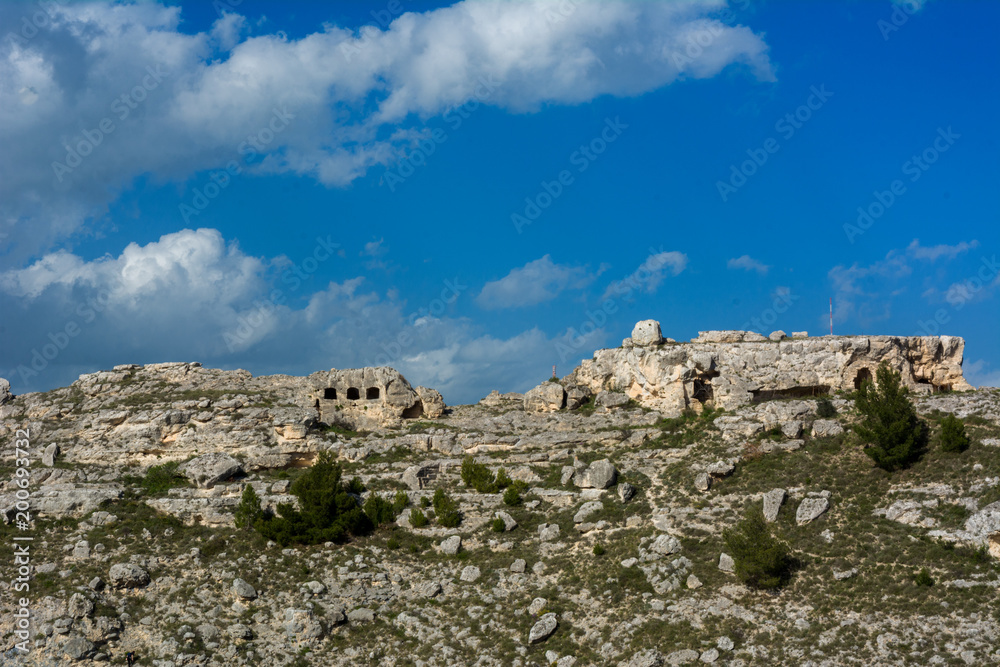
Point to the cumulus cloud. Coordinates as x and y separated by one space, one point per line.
933 253
172 104
650 274
536 282
747 263
191 296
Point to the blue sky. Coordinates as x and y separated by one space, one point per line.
477 191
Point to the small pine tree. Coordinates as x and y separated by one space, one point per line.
446 510
953 437
248 512
893 433
762 560
417 518
328 509
379 510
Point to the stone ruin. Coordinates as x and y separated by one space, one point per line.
728 369
366 398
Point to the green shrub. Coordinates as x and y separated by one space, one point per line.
355 486
425 502
923 578
512 496
379 510
825 409
248 512
893 434
762 560
328 511
498 525
393 543
478 476
417 518
953 437
160 479
599 550
446 510
401 502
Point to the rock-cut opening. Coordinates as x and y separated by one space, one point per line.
330 393
864 375
353 394
371 392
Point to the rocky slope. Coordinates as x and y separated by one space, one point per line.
614 557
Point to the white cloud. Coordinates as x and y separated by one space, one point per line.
650 274
860 291
934 253
354 95
190 296
536 282
747 263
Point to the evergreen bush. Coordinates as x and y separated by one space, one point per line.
893 434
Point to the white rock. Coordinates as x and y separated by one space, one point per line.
451 545
811 509
773 500
665 545
543 629
726 563
646 332
470 573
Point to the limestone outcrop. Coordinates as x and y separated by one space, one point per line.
728 369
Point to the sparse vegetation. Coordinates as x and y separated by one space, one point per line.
762 560
953 437
446 510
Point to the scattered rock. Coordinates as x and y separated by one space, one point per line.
243 590
726 563
518 565
586 510
548 532
792 429
823 428
451 545
430 589
693 582
543 629
470 573
128 575
665 545
610 399
361 615
811 509
703 482
598 475
773 500
626 492
421 476
50 454
846 574
209 469
509 523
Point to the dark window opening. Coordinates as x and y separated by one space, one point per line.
703 392
371 392
864 375
330 393
353 394
792 392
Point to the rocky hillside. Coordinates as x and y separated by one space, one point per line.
613 555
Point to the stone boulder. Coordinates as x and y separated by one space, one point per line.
598 475
209 469
576 395
646 333
994 545
811 509
546 397
128 575
610 399
50 455
431 401
823 428
983 523
543 629
773 500
244 590
5 394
